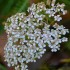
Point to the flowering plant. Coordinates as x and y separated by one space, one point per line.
30 34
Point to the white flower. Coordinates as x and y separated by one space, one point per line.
53 2
17 68
57 18
64 39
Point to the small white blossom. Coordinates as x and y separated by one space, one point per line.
57 18
53 2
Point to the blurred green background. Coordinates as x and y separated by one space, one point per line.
55 61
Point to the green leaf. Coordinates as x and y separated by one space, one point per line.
2 67
7 7
23 6
1 28
65 60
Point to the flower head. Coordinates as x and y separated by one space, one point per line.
28 35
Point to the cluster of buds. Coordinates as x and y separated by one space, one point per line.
28 35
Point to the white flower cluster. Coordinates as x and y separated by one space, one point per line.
28 35
54 36
55 11
24 41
